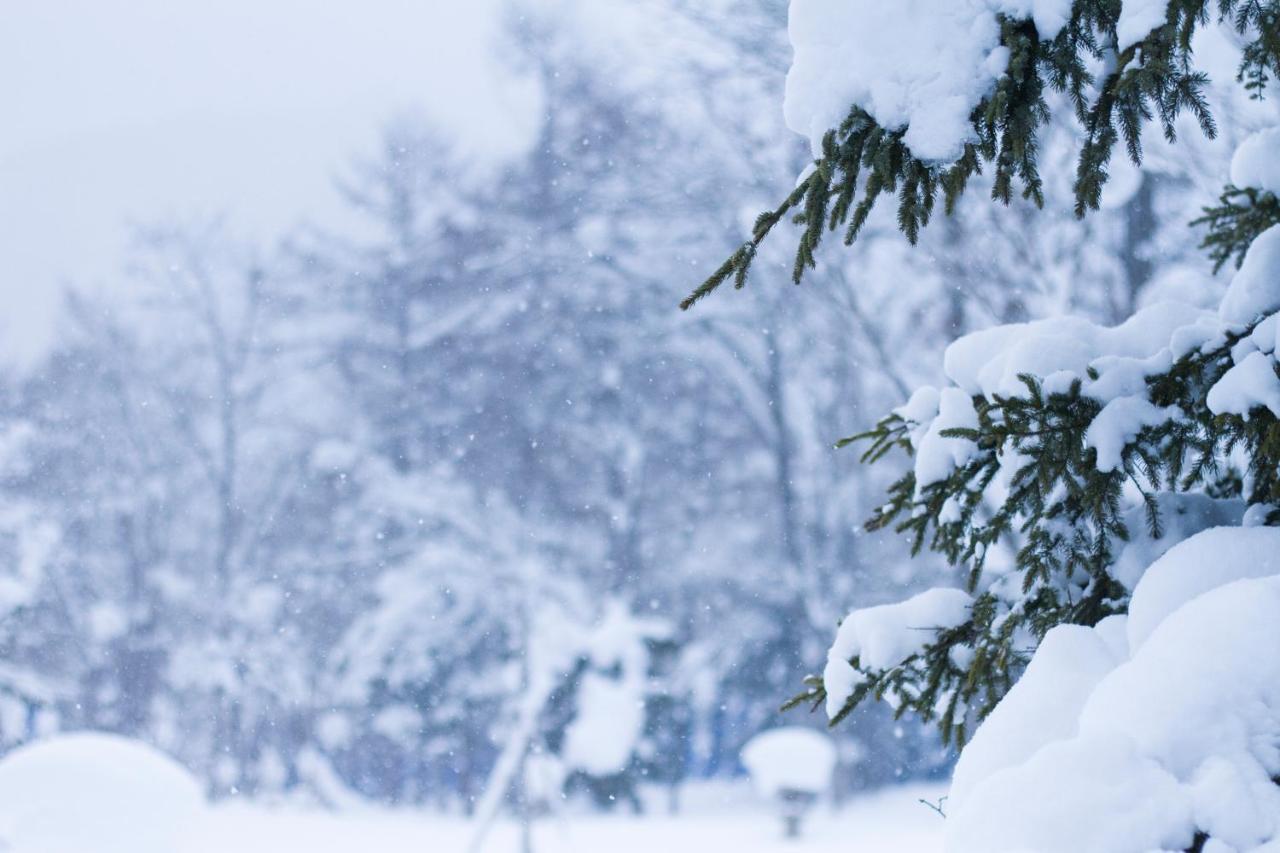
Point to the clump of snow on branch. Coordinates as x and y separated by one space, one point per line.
1255 163
1246 385
924 64
1061 349
938 455
882 637
1119 423
1255 289
1112 365
1137 19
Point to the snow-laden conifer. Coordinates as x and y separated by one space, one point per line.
1106 493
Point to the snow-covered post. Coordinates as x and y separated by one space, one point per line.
793 766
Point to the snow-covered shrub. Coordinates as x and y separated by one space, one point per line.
581 711
608 693
79 792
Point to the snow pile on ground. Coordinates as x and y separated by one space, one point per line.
1181 735
95 792
713 817
1070 662
790 758
1191 568
883 636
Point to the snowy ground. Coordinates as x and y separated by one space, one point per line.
891 820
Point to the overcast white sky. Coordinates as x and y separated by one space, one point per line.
120 110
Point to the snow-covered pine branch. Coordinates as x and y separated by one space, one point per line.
914 100
1093 449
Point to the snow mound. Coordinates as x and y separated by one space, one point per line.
95 792
883 636
919 64
790 758
1255 163
1202 697
1042 707
1255 288
1205 561
1094 794
1183 737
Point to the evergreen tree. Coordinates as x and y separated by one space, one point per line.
1063 458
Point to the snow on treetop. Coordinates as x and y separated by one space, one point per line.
923 64
790 758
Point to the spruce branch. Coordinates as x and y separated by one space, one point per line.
1239 217
1154 80
1066 517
